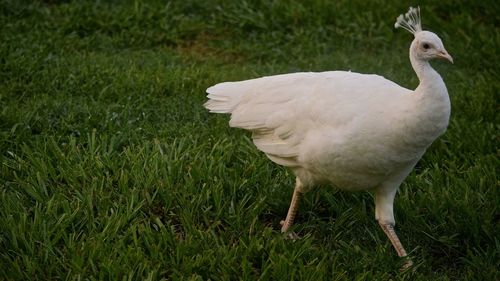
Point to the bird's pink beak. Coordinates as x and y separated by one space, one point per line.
444 55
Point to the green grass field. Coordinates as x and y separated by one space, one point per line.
111 168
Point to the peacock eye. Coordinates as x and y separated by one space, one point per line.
426 46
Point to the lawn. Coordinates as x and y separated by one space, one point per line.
112 169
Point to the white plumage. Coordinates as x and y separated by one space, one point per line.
355 131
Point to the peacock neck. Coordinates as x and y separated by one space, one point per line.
430 105
431 84
425 73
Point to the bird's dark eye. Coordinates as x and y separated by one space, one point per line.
426 46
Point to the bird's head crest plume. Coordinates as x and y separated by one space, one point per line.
410 21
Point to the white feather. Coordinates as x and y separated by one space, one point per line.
353 130
283 110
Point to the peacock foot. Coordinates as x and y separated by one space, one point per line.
407 265
289 234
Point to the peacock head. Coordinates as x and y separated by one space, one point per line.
426 45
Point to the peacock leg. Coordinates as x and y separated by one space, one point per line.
391 234
292 211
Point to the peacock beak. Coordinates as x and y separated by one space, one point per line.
444 55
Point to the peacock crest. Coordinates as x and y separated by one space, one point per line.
410 21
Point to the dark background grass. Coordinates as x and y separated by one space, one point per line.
112 169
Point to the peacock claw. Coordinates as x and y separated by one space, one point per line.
407 266
289 234
292 235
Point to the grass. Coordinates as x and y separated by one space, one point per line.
112 169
